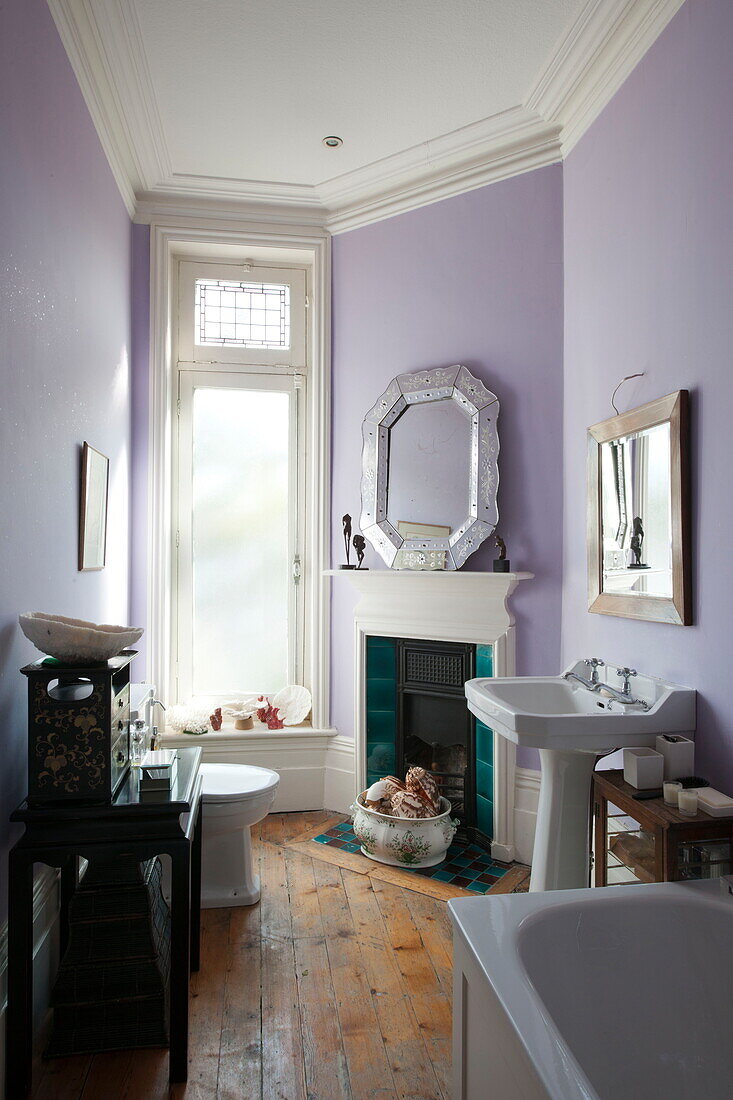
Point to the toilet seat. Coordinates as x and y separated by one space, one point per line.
223 783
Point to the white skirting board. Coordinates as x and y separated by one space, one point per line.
526 799
45 953
340 777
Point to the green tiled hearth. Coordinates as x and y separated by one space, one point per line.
465 865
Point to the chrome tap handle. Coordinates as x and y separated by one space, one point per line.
626 674
594 663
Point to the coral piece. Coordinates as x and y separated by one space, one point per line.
422 783
269 714
241 708
273 719
183 719
215 719
76 640
294 703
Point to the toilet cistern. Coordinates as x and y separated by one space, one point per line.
572 719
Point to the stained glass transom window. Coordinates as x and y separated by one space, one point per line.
245 315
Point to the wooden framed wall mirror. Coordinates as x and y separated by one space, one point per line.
639 513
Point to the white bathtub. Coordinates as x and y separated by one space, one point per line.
624 993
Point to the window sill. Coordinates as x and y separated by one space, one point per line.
259 734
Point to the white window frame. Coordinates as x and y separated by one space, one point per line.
176 236
294 356
183 598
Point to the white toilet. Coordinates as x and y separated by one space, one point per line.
235 797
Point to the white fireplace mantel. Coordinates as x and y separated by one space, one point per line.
458 606
450 605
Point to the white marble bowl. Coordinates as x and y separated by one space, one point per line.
404 841
76 640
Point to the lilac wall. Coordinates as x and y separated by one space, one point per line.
648 286
64 358
476 279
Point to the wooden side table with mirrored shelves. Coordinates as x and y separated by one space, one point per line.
644 840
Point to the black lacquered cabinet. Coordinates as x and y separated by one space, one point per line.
78 729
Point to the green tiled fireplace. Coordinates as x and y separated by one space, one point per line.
416 713
381 707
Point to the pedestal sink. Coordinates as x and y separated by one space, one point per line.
572 724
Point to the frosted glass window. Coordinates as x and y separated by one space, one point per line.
245 315
240 535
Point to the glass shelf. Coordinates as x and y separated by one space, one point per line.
629 850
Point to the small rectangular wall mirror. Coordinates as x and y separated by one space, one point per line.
639 513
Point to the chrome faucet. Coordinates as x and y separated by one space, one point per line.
598 686
594 663
624 695
626 674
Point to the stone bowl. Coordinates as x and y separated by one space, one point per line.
403 841
75 640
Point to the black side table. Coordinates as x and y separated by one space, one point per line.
163 824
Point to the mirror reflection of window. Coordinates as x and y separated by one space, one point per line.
636 511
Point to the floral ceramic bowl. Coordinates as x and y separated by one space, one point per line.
404 841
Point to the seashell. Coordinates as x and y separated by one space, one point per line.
393 784
423 783
407 804
293 704
378 792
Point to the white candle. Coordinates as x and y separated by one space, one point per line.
671 789
687 803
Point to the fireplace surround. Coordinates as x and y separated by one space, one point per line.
466 607
416 714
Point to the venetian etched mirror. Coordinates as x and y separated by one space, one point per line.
429 469
638 513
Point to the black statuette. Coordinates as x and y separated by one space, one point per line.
346 523
359 546
502 563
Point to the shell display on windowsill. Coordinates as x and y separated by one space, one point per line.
76 640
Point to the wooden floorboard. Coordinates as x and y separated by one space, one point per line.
337 986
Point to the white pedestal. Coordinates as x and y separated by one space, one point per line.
561 857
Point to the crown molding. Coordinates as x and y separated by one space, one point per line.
507 144
602 47
226 188
589 64
159 206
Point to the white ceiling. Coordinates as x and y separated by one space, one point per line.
246 89
220 106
